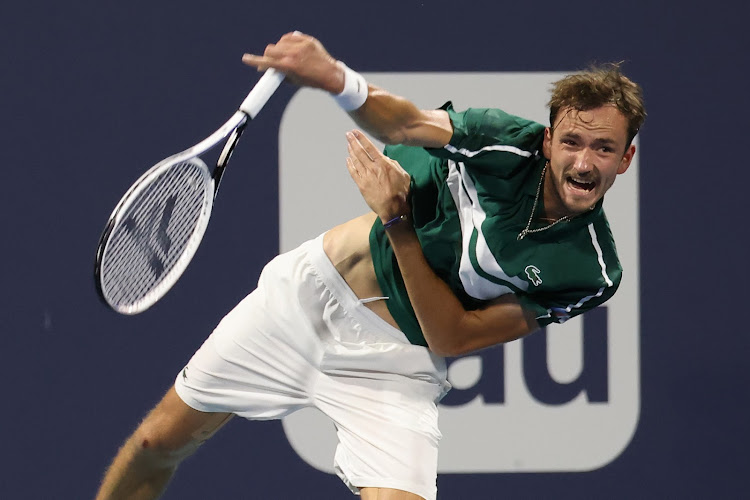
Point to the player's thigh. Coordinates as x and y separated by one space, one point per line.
387 431
174 426
387 494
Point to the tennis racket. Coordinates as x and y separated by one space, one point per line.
158 224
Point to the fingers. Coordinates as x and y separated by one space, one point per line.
272 56
353 171
275 52
366 161
384 185
303 60
360 162
295 35
259 62
366 156
362 147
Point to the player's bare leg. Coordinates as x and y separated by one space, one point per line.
146 462
387 494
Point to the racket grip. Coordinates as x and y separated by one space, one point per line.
262 91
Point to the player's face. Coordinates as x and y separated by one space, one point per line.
586 151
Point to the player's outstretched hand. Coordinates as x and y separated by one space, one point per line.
303 60
384 184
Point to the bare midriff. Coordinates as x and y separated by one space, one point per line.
348 248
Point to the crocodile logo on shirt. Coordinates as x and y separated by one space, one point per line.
533 273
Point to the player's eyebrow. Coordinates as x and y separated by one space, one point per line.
607 141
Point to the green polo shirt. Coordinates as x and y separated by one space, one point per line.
470 200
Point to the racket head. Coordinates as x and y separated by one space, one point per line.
153 233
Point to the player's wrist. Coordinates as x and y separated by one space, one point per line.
397 220
355 90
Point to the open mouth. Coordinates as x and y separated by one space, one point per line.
579 185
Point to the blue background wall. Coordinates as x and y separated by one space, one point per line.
95 92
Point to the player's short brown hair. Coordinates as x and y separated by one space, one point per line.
599 86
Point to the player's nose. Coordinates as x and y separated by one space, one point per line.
584 161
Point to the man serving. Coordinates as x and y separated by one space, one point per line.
483 227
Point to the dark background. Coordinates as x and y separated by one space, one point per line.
95 92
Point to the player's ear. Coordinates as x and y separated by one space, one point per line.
547 144
627 158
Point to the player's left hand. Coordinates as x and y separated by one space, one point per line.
384 184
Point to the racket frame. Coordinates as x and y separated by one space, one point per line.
231 131
121 210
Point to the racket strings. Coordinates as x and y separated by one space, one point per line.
154 233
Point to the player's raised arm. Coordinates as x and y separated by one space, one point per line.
391 119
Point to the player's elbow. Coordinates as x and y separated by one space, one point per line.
451 347
457 349
403 131
468 341
449 339
453 352
391 137
441 351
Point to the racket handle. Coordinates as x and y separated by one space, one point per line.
262 91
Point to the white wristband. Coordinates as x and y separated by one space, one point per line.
355 90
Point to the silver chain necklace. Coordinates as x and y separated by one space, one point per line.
527 229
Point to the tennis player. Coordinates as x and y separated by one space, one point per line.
484 227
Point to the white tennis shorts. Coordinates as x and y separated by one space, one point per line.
303 338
